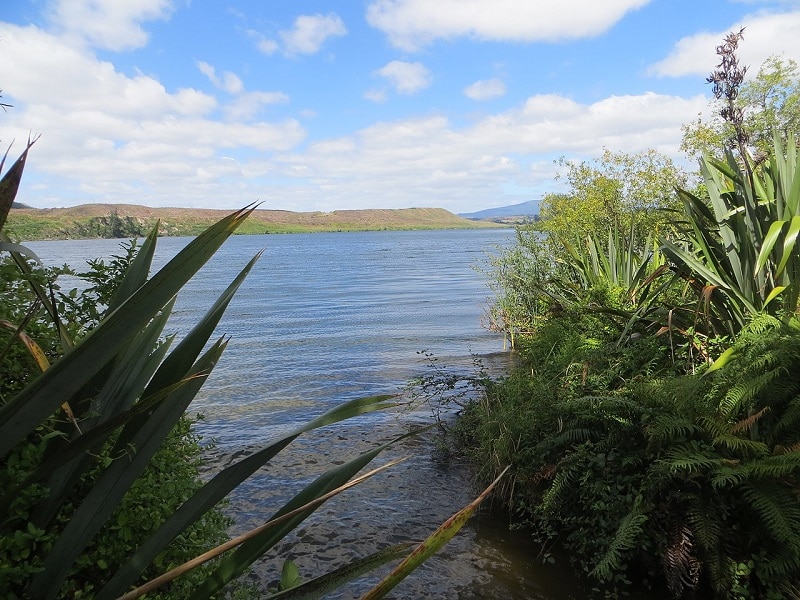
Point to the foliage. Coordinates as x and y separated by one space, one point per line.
116 221
516 276
679 479
770 104
624 276
740 249
617 191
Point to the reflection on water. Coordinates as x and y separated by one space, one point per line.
324 318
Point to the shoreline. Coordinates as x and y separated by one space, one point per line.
121 221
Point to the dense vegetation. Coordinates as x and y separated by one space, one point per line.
654 427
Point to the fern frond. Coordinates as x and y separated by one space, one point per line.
740 445
691 459
728 477
790 418
775 468
630 528
745 392
787 449
777 509
760 323
781 564
706 516
670 427
563 481
569 438
713 426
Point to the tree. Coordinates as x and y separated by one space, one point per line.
614 191
770 103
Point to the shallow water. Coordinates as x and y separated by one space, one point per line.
324 318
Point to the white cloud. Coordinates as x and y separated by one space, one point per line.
109 137
108 24
230 82
246 105
249 104
114 138
375 95
406 78
47 71
427 161
310 32
486 89
695 55
411 24
268 46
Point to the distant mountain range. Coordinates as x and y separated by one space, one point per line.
526 209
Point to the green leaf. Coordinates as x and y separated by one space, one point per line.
788 245
430 546
9 184
40 293
723 360
181 359
319 586
106 494
137 272
776 291
290 576
123 385
770 239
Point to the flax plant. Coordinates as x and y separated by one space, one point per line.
740 248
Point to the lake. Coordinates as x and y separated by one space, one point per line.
328 317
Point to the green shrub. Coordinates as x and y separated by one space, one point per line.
640 474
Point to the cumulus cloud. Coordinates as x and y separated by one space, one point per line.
441 164
265 45
404 77
113 137
695 55
108 24
48 71
116 138
310 32
411 24
486 89
110 137
245 105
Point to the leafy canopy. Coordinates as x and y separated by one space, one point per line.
612 192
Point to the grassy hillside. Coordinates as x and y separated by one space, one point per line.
127 220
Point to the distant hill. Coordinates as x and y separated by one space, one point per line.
525 209
129 220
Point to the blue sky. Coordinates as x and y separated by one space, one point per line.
311 105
